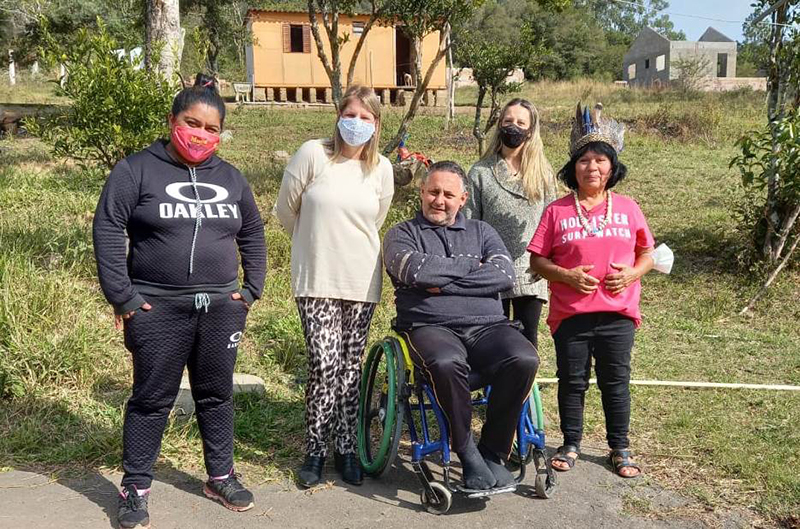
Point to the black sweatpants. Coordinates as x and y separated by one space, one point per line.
608 337
501 353
527 311
173 334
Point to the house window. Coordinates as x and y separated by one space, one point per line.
647 64
358 28
722 65
660 62
631 71
296 37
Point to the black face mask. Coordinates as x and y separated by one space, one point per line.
512 136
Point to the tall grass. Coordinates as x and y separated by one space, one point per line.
29 89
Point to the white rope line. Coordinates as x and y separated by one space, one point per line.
681 384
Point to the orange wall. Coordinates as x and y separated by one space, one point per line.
376 61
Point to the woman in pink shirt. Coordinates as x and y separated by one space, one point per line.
593 246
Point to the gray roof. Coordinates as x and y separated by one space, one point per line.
712 35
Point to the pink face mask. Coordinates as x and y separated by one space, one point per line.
194 145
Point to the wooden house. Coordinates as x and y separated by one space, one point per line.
283 65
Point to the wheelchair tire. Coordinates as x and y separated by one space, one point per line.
537 405
380 408
544 486
442 502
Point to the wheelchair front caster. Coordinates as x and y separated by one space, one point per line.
544 485
442 501
545 482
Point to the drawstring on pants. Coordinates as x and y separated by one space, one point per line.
201 301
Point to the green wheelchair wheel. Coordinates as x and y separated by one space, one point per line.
381 407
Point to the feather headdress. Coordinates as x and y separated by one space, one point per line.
589 126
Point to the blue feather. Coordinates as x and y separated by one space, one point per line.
587 121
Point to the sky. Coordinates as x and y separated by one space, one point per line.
727 10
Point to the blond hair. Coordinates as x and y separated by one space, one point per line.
366 96
536 173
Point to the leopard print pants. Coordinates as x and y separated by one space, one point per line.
336 334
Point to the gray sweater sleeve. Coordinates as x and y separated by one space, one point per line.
409 266
473 209
494 276
119 198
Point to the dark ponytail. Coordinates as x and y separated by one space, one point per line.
204 91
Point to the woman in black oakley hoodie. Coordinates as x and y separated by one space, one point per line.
175 287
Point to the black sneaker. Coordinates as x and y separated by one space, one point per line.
229 492
132 508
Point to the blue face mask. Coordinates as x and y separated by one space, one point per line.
355 132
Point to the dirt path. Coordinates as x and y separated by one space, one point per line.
589 496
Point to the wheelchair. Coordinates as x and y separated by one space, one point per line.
393 392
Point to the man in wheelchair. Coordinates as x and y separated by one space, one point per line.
448 272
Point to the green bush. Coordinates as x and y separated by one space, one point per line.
772 150
116 108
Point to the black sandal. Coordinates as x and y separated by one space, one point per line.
620 459
562 455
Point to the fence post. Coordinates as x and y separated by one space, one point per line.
12 69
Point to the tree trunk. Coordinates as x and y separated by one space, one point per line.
212 58
444 40
494 109
214 45
163 37
332 65
476 125
351 70
451 89
774 113
417 62
770 279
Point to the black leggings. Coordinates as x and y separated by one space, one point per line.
527 311
162 340
608 337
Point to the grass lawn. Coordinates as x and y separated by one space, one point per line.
41 89
67 373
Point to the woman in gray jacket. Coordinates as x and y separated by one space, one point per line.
509 187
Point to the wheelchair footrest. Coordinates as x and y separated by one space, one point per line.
482 493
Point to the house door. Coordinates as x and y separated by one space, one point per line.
403 59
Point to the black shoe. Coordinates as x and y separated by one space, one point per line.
311 472
349 467
229 492
132 508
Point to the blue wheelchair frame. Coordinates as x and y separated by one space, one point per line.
437 496
422 445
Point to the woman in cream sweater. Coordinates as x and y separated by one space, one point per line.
334 197
509 188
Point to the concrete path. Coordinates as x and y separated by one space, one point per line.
588 496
